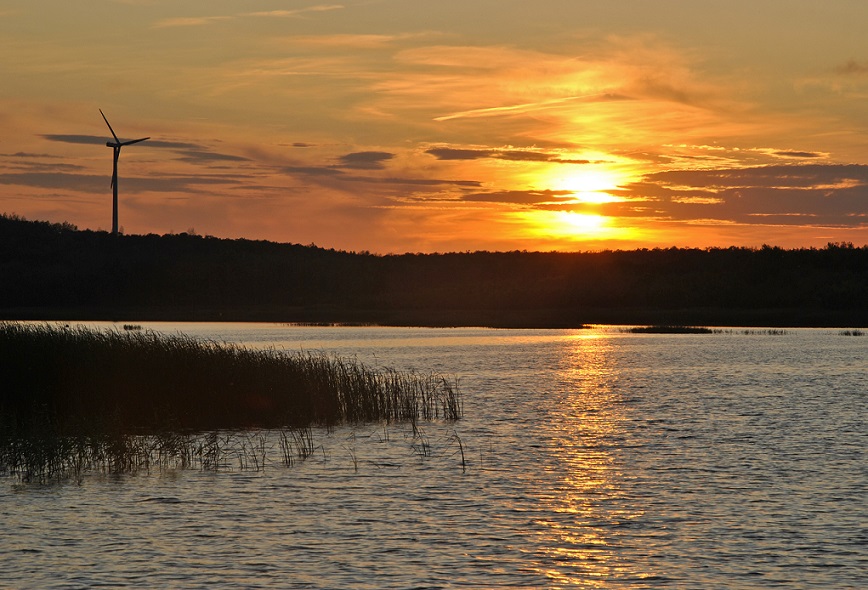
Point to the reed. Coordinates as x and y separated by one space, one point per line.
48 456
74 396
853 332
141 381
669 329
666 329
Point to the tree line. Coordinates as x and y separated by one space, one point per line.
55 271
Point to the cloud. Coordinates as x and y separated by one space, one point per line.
204 156
795 154
194 21
28 155
811 194
853 67
808 176
334 173
459 154
97 184
518 197
295 13
190 152
365 160
527 107
53 166
312 170
354 41
101 140
417 181
511 155
80 139
172 145
198 21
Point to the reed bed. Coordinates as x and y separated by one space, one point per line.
77 397
48 456
669 329
853 332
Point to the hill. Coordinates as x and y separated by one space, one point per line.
55 271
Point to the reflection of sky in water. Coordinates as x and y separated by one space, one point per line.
594 457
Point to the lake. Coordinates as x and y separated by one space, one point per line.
593 458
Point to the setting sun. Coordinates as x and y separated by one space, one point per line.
588 186
572 227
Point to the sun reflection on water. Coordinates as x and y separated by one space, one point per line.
589 508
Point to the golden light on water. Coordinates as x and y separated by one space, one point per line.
590 415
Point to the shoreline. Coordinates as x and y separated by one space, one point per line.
509 319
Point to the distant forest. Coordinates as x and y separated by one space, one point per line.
55 271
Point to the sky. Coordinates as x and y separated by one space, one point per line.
396 126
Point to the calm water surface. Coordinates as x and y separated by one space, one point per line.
592 458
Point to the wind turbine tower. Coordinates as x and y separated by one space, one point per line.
116 146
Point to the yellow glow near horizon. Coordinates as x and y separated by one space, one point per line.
570 226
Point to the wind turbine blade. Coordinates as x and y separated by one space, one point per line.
132 141
109 126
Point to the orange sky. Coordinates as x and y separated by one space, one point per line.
398 126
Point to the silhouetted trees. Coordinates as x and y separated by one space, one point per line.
56 271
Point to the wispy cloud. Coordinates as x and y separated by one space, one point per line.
519 197
354 40
189 152
811 194
447 153
526 107
365 160
80 139
94 184
190 21
295 13
198 21
797 154
853 67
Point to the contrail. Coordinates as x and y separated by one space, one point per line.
518 108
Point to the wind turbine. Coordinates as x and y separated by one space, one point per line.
116 145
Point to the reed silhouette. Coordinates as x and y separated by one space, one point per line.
74 398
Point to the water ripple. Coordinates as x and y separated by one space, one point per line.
592 459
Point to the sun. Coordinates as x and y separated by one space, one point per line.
571 226
588 186
569 223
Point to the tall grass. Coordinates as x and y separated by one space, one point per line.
68 390
142 381
46 455
669 329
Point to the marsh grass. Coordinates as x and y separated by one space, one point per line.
76 399
853 332
667 329
48 456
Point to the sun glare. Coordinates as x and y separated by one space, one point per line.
588 186
580 223
572 227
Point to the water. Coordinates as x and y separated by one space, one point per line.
593 458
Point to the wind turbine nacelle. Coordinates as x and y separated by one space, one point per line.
111 144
